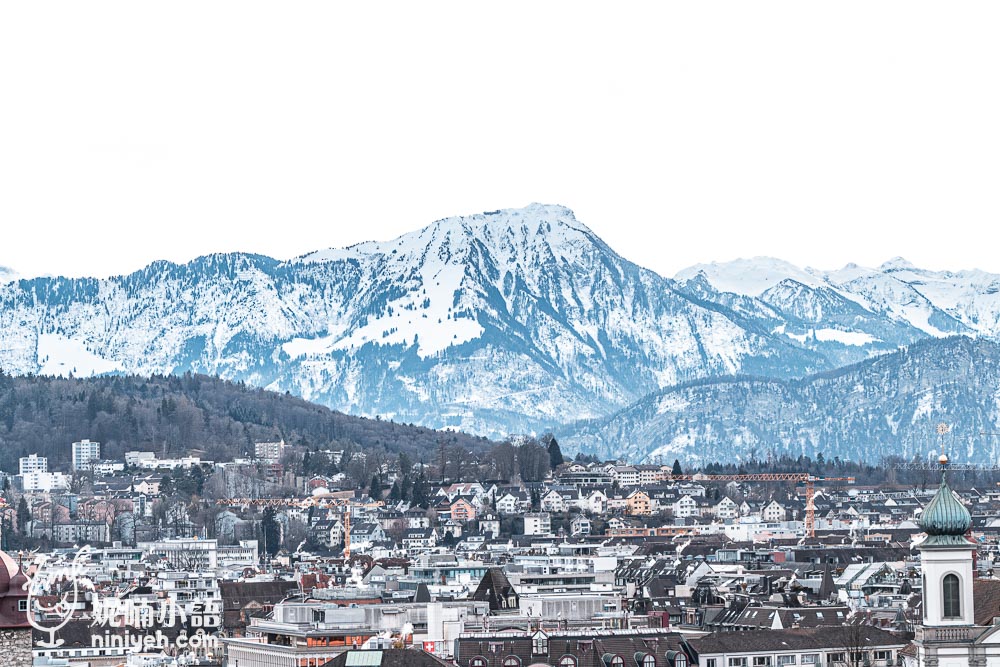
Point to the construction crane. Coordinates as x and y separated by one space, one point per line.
798 477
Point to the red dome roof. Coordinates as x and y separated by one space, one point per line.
8 569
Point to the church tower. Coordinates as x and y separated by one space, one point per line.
946 560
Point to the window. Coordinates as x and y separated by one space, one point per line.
478 661
649 660
784 660
737 662
680 660
857 657
540 643
567 661
762 661
884 655
810 658
835 657
710 662
495 647
952 596
617 661
511 661
22 605
923 591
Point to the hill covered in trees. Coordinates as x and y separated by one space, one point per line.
172 415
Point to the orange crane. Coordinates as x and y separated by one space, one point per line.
809 479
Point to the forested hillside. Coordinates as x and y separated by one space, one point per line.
889 406
174 414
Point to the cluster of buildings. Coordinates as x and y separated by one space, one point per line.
602 565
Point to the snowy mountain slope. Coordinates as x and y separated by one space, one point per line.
940 303
749 277
7 275
849 314
509 320
886 406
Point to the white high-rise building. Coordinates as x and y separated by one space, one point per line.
33 463
85 453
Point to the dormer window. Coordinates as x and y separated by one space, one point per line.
540 643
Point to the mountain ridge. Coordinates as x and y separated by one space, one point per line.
515 320
916 388
498 322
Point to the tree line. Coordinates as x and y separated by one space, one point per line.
172 415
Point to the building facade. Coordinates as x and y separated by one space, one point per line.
85 452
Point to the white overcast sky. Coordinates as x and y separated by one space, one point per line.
821 133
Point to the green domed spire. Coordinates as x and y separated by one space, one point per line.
945 519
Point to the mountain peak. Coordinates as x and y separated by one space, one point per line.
534 219
749 276
510 230
8 275
897 264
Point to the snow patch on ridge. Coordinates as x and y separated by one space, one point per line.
845 337
62 356
672 403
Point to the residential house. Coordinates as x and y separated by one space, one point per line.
638 504
462 509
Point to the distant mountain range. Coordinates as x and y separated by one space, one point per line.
888 406
509 321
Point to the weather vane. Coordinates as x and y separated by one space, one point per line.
942 430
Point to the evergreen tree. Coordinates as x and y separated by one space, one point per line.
271 531
555 454
677 468
419 497
375 488
23 515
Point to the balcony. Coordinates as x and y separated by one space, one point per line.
955 634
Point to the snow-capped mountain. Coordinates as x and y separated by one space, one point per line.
506 321
7 275
882 407
939 303
849 314
509 321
